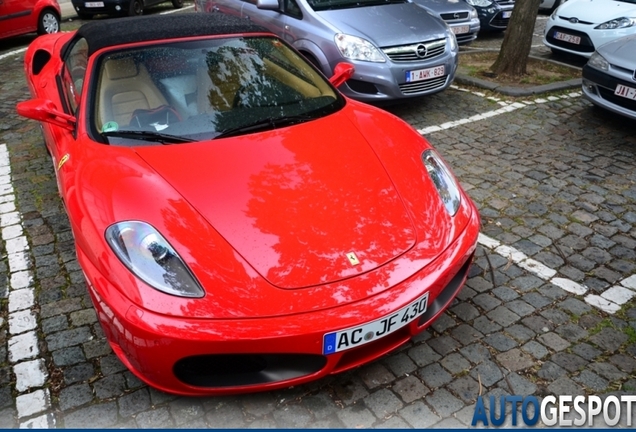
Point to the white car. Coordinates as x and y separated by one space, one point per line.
581 26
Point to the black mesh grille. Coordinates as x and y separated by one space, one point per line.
423 86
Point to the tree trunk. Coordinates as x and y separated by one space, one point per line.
517 42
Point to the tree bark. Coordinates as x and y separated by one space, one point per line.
513 56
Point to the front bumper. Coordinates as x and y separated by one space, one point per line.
207 357
110 7
589 38
377 82
598 87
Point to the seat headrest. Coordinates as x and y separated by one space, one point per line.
121 68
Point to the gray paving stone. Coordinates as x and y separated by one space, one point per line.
476 353
515 360
185 410
465 312
591 381
487 373
444 403
553 341
383 403
609 339
111 364
78 373
67 338
434 376
535 349
520 333
292 416
466 388
68 356
356 416
350 391
607 371
571 332
486 301
520 385
526 283
519 307
455 363
375 374
500 342
102 415
133 403
568 361
538 324
410 389
160 418
503 316
423 355
486 326
551 371
565 386
443 344
505 294
624 362
110 386
400 364
555 316
8 418
419 415
443 323
466 334
75 396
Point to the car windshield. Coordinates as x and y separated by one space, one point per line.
321 5
181 92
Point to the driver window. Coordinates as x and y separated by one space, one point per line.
292 9
74 71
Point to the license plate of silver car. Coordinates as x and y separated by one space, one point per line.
567 38
460 29
425 74
626 92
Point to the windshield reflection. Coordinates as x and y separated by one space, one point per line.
203 89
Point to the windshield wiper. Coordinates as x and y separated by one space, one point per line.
148 136
264 124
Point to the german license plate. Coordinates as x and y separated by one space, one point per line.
460 29
567 38
425 74
93 4
357 336
506 14
626 92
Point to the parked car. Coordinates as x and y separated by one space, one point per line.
18 17
581 26
460 17
399 49
86 9
494 15
609 77
241 224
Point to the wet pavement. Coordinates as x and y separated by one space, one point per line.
548 308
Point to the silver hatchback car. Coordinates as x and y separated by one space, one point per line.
399 49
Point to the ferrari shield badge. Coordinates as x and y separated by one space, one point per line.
353 259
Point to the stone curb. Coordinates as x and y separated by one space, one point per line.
514 90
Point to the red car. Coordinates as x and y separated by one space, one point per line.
241 225
19 17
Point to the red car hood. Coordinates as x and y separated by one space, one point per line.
294 202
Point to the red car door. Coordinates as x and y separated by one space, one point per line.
16 17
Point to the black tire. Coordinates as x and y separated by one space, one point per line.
177 4
136 8
84 16
48 22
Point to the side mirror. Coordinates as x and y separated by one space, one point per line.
45 110
268 5
342 72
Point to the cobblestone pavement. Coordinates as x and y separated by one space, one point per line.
548 308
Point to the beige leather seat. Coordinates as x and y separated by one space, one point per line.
125 87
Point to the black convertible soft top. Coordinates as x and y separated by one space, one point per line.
113 32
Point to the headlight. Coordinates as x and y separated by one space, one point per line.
473 13
617 23
596 60
443 179
356 48
480 3
453 40
151 258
